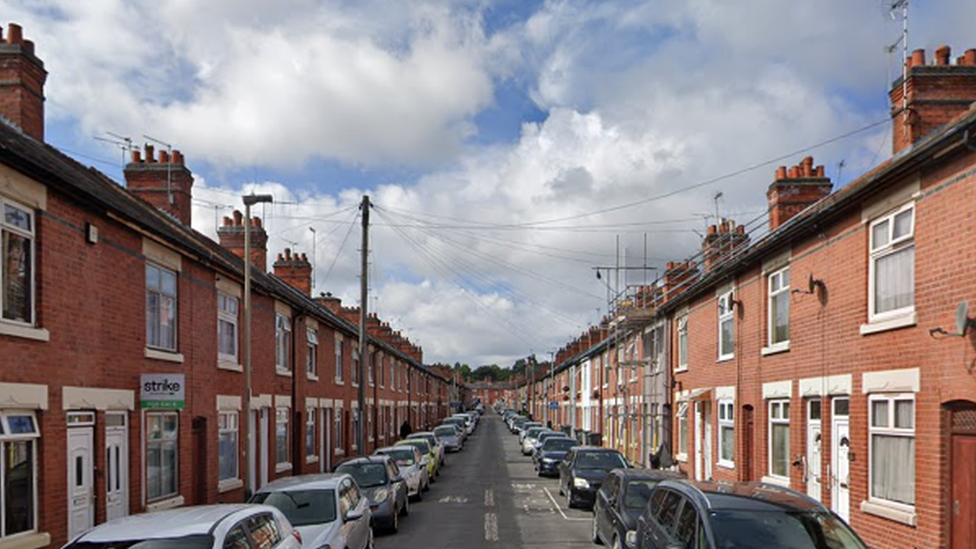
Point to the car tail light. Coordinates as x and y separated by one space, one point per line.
298 535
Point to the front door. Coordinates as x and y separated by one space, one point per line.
263 445
748 441
81 489
813 457
326 440
703 440
962 506
840 477
116 465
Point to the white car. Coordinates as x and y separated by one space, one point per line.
226 526
328 510
413 466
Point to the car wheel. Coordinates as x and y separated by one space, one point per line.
595 536
395 525
616 542
369 539
427 484
406 505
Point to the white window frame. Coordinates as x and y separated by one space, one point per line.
312 353
338 362
890 430
682 330
683 435
380 372
371 367
726 315
356 358
393 370
311 423
282 424
166 346
778 287
31 438
29 234
175 439
354 428
282 339
894 245
337 427
778 414
726 420
228 307
228 424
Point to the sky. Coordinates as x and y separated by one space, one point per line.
509 147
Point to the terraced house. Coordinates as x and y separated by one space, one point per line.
122 383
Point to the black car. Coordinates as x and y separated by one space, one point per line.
582 472
380 479
620 501
716 515
552 451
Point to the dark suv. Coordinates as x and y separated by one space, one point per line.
582 472
619 502
727 515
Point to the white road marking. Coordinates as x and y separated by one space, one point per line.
491 527
489 498
560 509
452 499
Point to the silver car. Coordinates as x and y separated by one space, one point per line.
448 434
413 466
328 510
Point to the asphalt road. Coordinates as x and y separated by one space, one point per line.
489 496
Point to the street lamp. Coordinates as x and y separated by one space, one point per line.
249 200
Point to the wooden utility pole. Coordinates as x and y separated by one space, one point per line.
363 301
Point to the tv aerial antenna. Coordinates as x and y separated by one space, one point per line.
123 143
893 7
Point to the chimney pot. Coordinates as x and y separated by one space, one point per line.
164 157
256 222
227 221
29 46
780 173
177 157
150 153
15 35
712 229
238 218
918 58
969 57
136 157
942 55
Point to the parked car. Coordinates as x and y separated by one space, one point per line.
552 451
380 480
460 422
619 501
448 434
516 423
582 472
230 526
436 444
414 467
328 510
524 429
429 456
528 440
716 515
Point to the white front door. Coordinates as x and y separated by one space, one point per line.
81 490
326 439
840 460
263 445
813 457
252 455
703 440
116 465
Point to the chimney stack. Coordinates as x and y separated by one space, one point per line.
295 270
936 94
22 78
795 190
166 184
330 302
231 235
721 242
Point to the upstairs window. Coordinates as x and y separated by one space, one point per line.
338 360
726 326
779 307
282 339
312 353
227 326
683 343
892 264
160 308
16 262
355 364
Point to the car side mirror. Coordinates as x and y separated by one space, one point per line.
354 514
397 478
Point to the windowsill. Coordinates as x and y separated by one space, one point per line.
340 382
681 369
889 512
283 373
339 452
33 540
725 358
876 326
726 464
682 458
229 365
170 503
312 459
313 377
165 356
775 349
282 467
779 481
25 332
229 484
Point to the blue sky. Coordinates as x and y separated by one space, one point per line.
490 134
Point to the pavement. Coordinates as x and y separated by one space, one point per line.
489 496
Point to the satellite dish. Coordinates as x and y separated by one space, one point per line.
962 318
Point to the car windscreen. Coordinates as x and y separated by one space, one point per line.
429 438
401 457
599 460
788 530
420 444
638 492
558 445
302 507
367 475
445 431
201 541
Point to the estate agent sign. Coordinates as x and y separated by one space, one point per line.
162 391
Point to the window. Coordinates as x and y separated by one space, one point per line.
227 326
160 308
726 326
355 364
16 262
312 354
282 337
683 429
892 265
281 436
338 360
683 343
227 426
726 433
893 448
393 372
379 368
779 438
779 307
310 433
337 423
18 469
162 444
369 366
